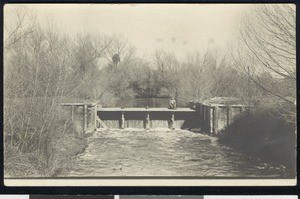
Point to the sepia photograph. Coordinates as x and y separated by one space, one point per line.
142 93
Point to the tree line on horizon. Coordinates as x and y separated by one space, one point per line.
44 67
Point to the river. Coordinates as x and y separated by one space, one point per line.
163 152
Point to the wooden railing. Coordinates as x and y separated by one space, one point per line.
88 112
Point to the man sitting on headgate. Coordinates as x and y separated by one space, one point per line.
172 103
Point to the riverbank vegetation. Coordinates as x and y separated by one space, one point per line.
268 58
264 132
44 67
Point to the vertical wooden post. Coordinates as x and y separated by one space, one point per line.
94 117
147 121
202 124
210 119
215 119
200 113
172 120
84 118
229 115
122 126
72 113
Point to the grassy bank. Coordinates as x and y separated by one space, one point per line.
37 164
43 147
264 133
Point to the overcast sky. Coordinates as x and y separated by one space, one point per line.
177 28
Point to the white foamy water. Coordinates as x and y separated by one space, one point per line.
164 152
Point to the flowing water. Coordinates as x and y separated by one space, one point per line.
163 152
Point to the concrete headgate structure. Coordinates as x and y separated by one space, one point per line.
209 118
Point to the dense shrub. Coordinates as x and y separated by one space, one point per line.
263 132
32 140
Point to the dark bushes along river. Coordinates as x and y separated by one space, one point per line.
264 133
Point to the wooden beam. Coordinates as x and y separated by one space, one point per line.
215 119
94 117
78 104
210 122
172 121
101 123
229 115
147 122
122 126
117 109
85 118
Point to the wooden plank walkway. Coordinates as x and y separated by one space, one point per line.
145 110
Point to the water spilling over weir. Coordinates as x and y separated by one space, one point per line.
164 152
148 118
159 142
210 118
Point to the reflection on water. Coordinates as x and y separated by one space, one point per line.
164 152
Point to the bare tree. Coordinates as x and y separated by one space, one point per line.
37 66
166 66
268 46
86 55
199 78
18 25
267 53
119 50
